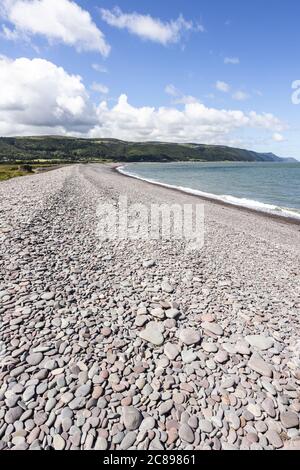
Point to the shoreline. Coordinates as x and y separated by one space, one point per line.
276 217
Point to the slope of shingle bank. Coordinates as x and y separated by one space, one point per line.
123 344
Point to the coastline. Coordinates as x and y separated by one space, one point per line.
277 217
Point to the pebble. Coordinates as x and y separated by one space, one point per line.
259 365
128 440
289 419
260 342
34 359
171 351
213 328
189 336
58 442
132 417
274 439
152 334
188 356
186 433
205 426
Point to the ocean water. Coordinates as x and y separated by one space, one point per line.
268 187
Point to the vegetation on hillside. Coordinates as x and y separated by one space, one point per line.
69 150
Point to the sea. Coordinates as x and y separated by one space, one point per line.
268 187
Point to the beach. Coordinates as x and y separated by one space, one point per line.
143 344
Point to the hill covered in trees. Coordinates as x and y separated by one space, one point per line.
70 149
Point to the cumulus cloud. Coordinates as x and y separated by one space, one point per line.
149 28
222 86
231 60
61 21
37 97
195 123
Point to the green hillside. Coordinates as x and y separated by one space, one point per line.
71 149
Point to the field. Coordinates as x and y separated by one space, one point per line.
8 171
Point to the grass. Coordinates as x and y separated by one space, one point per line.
11 171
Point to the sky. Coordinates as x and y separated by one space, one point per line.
206 71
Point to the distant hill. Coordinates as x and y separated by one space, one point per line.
71 149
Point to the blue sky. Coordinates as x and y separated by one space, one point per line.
207 71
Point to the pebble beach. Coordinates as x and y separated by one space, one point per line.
142 344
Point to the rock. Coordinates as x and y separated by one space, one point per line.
207 317
221 356
101 444
29 393
83 390
165 407
48 296
186 433
242 347
128 441
149 263
166 287
228 382
158 313
171 351
289 419
141 320
254 409
132 417
268 407
152 334
274 439
147 424
210 347
257 364
189 336
213 328
34 359
58 442
172 313
106 331
294 444
260 342
172 435
188 356
205 426
13 414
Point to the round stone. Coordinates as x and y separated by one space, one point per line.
132 417
152 334
189 336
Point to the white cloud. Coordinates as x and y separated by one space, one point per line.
172 90
222 86
231 60
100 68
195 123
37 97
61 21
100 88
240 96
277 137
149 28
